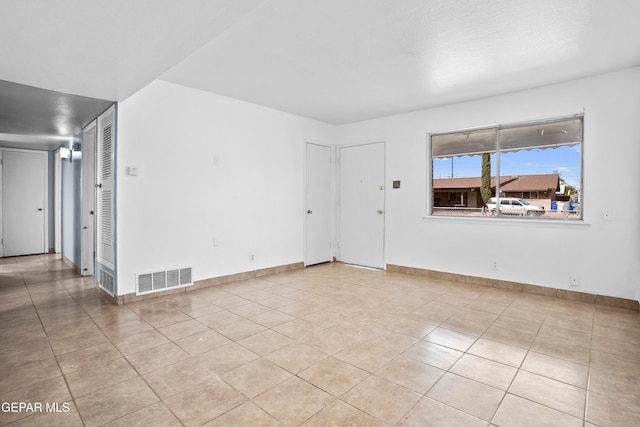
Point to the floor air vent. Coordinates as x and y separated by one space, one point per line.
163 280
107 282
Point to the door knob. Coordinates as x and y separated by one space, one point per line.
379 212
309 211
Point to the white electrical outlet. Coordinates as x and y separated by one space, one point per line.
252 258
494 264
574 281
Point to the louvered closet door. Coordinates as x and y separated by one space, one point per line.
105 184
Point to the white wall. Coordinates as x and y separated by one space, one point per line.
605 255
251 202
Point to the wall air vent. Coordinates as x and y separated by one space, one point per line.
162 280
107 282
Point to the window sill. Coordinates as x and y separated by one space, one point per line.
512 222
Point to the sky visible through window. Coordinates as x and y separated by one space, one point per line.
563 160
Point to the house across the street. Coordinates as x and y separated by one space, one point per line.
465 192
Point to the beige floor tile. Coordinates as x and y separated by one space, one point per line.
430 413
120 330
612 410
256 377
139 342
111 403
178 377
51 390
324 318
485 371
452 339
218 319
469 396
157 357
240 329
526 313
204 402
293 401
245 415
60 414
557 369
26 352
409 327
382 399
333 376
570 322
410 373
339 414
612 383
498 352
628 333
328 341
565 335
72 328
625 349
433 354
299 309
249 310
28 374
183 329
366 356
166 318
296 357
265 342
561 350
225 358
202 342
551 393
509 336
155 415
615 363
517 324
272 318
517 412
81 341
87 380
198 309
297 328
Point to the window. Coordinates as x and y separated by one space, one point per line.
533 168
455 197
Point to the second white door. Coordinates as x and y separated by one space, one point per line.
318 204
24 202
361 204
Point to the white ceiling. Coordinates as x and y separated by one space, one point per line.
337 61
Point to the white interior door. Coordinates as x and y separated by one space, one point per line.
24 202
88 200
105 185
361 204
318 204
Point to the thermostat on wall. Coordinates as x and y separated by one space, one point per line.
131 171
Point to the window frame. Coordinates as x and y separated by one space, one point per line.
498 128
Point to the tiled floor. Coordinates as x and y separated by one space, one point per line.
327 345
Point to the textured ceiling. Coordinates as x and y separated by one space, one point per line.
342 61
337 61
